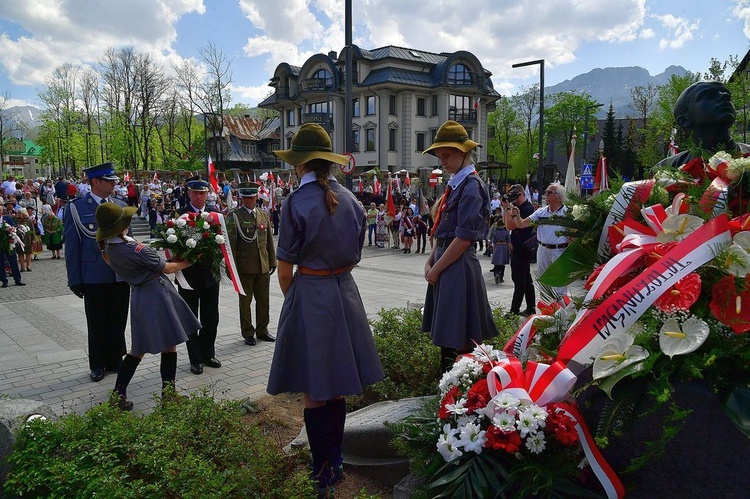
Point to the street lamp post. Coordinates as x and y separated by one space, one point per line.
586 130
540 166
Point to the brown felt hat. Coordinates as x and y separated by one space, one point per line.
112 220
311 142
452 134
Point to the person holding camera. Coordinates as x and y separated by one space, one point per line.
522 250
551 244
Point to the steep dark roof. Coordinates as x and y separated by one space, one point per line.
395 75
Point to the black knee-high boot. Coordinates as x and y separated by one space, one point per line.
168 370
337 418
318 436
124 375
447 358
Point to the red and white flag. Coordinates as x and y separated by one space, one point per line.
126 178
376 188
156 177
211 169
407 180
360 187
601 180
570 174
390 205
476 103
673 149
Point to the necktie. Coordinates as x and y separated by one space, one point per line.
441 206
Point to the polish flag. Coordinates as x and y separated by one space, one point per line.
126 178
212 174
390 205
476 103
407 180
360 188
376 188
601 179
673 149
156 177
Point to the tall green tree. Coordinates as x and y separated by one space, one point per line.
526 104
568 114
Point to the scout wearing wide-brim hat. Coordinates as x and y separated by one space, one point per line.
452 134
105 171
311 142
196 184
112 220
247 190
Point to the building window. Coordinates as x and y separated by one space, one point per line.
433 134
392 139
420 142
370 139
355 140
370 99
460 75
392 105
434 105
249 147
319 107
420 107
299 115
288 142
355 108
459 108
290 117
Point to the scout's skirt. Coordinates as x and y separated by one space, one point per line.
159 317
324 345
456 310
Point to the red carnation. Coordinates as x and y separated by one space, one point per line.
449 398
206 235
682 295
497 439
563 427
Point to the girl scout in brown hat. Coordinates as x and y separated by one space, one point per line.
456 312
159 319
324 345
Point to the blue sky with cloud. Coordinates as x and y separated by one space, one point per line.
573 37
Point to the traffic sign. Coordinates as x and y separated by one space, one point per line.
586 170
587 182
349 168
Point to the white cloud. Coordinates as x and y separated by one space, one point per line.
646 33
681 31
741 10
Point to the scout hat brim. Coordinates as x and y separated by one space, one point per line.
112 220
311 142
452 134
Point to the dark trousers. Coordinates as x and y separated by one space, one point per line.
523 285
106 307
499 270
204 304
421 238
12 260
371 230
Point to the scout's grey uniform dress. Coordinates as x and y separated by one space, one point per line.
159 317
500 242
456 310
324 345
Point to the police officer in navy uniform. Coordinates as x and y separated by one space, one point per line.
203 298
105 296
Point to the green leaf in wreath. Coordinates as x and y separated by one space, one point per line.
612 380
575 262
737 408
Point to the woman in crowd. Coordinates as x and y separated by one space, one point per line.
407 229
456 312
48 193
420 232
25 251
324 346
381 228
37 247
159 318
53 231
500 250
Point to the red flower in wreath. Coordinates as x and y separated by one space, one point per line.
206 235
497 439
730 306
450 398
478 396
682 295
562 426
170 223
695 168
192 223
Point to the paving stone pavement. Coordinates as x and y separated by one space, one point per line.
43 335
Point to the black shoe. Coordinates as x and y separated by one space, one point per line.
196 368
250 341
122 403
97 374
212 362
268 338
5 285
20 284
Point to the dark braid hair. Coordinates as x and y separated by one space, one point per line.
322 169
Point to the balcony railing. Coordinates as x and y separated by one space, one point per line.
463 116
322 119
316 84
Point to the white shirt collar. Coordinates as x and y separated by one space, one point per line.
311 177
460 175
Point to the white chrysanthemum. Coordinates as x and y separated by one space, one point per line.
505 401
505 421
180 222
447 444
617 353
472 438
190 243
539 413
219 239
172 238
458 408
170 231
527 423
536 443
464 374
676 340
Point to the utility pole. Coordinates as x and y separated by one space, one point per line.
349 136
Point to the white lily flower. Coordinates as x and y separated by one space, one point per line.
676 340
739 261
678 227
581 212
617 353
190 243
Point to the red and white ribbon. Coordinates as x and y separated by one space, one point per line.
629 199
226 249
519 343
